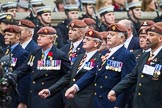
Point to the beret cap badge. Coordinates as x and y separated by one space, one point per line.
90 33
46 31
113 28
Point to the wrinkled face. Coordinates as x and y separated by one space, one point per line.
11 37
45 41
89 9
46 17
74 34
89 43
144 44
113 39
137 12
153 39
109 17
73 15
12 11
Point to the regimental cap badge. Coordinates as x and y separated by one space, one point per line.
90 33
145 23
8 17
113 28
72 24
45 31
153 28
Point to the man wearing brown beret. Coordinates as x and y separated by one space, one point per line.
27 43
114 64
47 66
19 55
76 35
27 31
146 75
84 62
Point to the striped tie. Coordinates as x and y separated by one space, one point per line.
82 61
150 59
71 50
104 58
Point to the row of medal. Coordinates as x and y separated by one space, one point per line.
49 64
157 71
89 65
114 65
13 61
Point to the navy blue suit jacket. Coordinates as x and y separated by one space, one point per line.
104 80
134 44
42 79
32 46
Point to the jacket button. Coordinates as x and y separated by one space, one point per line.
42 83
140 84
73 79
95 84
95 93
101 87
142 76
139 94
100 96
46 75
32 71
106 77
30 91
34 82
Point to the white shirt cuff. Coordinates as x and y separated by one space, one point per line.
76 86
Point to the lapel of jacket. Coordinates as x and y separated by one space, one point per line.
112 57
76 64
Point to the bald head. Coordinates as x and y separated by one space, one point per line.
128 24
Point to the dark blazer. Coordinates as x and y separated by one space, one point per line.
138 53
63 28
32 46
85 96
21 55
104 80
79 49
148 91
134 44
42 79
2 42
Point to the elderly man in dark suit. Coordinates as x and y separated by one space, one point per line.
47 65
76 33
147 74
132 42
18 54
84 62
113 65
27 43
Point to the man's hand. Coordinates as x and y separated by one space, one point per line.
111 96
22 105
69 94
44 93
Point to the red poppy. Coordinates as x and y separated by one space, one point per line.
50 54
92 60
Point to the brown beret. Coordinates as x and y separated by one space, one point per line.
26 23
77 24
147 23
157 28
117 28
47 31
13 29
93 34
89 21
104 35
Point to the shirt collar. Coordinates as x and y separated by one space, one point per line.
157 51
76 44
25 44
127 42
14 46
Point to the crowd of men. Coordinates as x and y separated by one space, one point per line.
83 62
